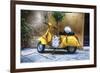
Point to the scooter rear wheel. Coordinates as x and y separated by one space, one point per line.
71 49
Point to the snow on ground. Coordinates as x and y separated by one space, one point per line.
31 55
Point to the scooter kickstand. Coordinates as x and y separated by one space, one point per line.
53 51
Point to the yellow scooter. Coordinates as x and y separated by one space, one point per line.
68 41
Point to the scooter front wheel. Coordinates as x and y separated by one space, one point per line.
40 47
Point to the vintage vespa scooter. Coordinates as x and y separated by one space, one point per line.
68 41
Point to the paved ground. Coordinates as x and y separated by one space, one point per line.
31 55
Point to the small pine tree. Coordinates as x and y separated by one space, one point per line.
58 16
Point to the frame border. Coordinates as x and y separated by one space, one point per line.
13 35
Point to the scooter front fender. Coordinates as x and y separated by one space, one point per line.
42 40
